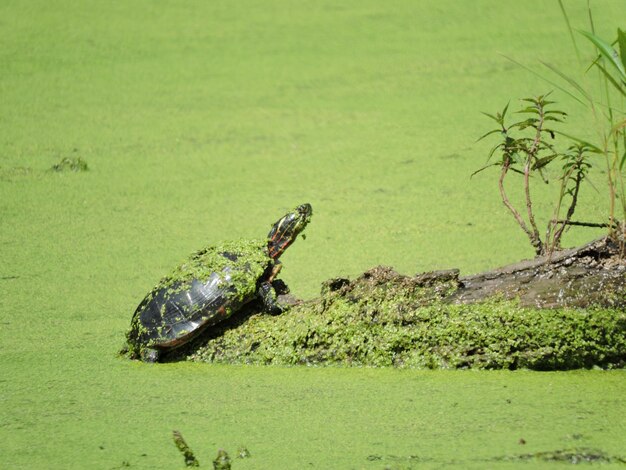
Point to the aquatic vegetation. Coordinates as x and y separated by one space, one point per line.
222 461
527 148
573 456
384 319
195 113
12 173
183 447
243 452
70 164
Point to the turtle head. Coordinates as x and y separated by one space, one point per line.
285 231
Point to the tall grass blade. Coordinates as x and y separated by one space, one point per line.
621 39
568 79
608 52
599 56
554 84
571 31
614 82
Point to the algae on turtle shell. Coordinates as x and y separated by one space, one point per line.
218 261
211 259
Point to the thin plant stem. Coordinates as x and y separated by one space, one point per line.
570 211
535 238
507 203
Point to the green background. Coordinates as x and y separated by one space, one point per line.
204 121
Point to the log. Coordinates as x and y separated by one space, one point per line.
443 320
591 275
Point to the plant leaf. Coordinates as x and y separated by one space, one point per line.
592 148
571 30
484 168
498 131
617 127
530 109
498 120
611 79
493 150
515 170
505 110
541 162
608 52
568 79
621 39
597 59
546 79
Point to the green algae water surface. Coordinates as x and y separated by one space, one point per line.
102 413
200 121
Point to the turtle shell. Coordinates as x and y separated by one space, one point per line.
207 288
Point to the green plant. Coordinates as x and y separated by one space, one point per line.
527 148
575 168
605 101
610 115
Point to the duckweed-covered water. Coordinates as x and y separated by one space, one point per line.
198 122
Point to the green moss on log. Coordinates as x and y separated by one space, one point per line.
385 319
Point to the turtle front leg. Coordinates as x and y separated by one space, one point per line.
275 270
268 295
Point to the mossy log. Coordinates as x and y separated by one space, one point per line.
496 320
591 275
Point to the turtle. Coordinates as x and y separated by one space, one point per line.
210 286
